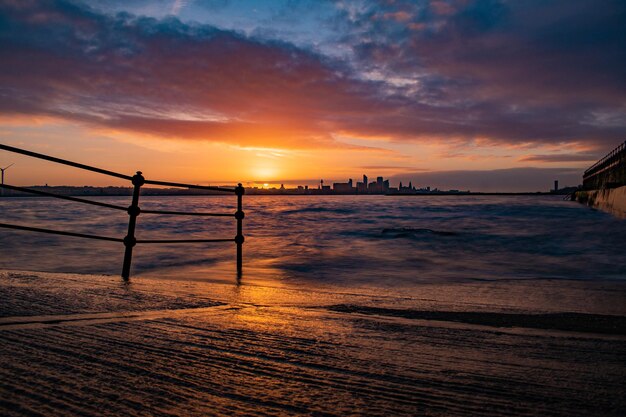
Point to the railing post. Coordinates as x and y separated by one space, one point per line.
239 215
133 212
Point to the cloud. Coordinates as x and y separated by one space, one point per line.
394 168
537 50
511 180
177 6
526 179
514 72
134 73
573 157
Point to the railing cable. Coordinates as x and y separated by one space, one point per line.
186 213
60 232
606 170
197 187
112 206
64 162
133 210
63 197
183 240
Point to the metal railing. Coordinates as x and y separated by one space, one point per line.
609 171
130 241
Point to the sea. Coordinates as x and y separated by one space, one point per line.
347 305
386 241
377 244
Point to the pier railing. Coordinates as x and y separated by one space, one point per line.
608 172
137 180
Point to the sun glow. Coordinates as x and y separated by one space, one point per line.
264 172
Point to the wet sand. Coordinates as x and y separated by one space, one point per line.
92 345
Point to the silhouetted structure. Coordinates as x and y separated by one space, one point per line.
608 172
344 187
380 186
4 169
133 210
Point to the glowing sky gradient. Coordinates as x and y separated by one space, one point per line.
485 95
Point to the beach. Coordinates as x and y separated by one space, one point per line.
92 345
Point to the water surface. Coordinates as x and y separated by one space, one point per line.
347 306
393 246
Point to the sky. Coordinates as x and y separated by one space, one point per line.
468 94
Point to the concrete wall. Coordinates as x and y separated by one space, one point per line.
612 200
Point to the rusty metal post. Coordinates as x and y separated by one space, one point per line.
133 212
239 239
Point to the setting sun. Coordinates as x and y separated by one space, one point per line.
264 172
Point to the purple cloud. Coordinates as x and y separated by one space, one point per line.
506 72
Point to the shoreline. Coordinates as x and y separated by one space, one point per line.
428 300
148 192
92 345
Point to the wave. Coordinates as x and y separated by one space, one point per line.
410 231
320 210
576 322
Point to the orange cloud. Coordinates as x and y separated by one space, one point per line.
177 80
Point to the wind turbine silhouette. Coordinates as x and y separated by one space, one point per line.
4 169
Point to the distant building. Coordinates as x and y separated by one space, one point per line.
405 189
344 187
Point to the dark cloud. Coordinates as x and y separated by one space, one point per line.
394 168
546 69
530 51
144 74
514 72
511 180
575 157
